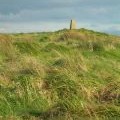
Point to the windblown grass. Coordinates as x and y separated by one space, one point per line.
69 75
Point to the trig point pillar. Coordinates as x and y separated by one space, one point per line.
73 24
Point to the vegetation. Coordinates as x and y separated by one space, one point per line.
63 75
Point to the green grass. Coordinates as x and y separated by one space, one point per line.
62 75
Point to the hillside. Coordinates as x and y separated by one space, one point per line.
62 75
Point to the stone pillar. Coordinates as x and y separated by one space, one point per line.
73 24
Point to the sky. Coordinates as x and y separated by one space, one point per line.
50 15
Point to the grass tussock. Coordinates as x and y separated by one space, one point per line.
6 46
69 75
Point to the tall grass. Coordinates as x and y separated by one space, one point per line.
69 75
6 46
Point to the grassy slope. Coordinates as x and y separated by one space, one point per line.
65 75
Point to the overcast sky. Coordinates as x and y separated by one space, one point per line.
50 15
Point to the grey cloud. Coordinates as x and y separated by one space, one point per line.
7 6
92 14
14 6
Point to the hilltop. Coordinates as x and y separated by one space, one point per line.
62 75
